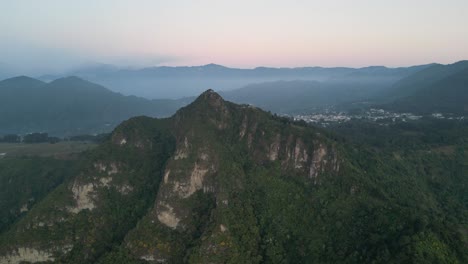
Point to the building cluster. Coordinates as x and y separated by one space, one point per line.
328 117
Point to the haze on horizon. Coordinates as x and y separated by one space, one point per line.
39 37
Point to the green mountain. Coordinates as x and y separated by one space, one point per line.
419 81
20 83
70 106
449 95
288 97
224 183
25 181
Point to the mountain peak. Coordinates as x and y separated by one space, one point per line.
210 92
75 81
207 103
211 97
213 65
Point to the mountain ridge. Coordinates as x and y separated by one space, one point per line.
421 79
70 106
447 95
182 81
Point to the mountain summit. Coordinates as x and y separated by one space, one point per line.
210 97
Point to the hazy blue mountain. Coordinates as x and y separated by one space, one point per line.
281 96
19 83
176 82
379 74
423 79
448 95
70 106
299 96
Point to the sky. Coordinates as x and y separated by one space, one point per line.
56 35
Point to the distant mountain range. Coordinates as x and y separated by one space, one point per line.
177 82
425 89
70 106
288 97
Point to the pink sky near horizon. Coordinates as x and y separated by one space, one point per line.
242 33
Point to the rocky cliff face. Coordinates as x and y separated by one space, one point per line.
169 190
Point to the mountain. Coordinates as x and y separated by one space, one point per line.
289 97
183 81
426 77
280 96
70 106
26 180
20 83
224 183
448 95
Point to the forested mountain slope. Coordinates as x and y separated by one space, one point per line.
70 106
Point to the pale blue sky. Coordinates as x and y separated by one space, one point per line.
49 35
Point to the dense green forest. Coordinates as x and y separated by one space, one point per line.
24 181
226 183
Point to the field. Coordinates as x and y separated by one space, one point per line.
58 150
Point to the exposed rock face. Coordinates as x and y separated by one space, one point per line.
274 148
32 255
110 169
24 254
243 129
24 208
166 215
317 161
195 183
83 196
182 150
179 185
300 154
166 176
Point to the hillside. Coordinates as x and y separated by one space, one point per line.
24 181
20 83
288 97
419 81
224 183
303 95
70 106
448 95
